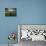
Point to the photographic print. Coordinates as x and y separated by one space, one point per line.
10 11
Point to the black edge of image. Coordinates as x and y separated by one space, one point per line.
11 14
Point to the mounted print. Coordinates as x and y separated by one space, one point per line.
10 11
